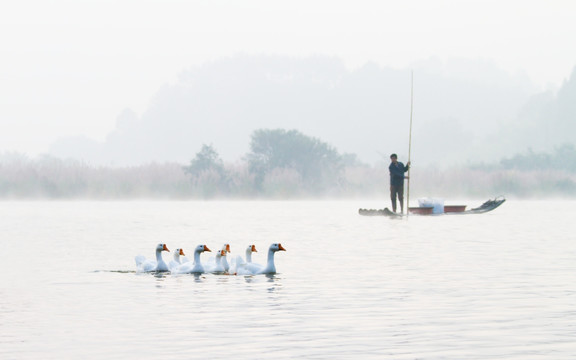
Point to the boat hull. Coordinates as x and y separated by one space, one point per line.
427 211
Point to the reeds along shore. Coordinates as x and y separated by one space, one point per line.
51 178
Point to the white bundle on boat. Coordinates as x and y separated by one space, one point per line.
436 203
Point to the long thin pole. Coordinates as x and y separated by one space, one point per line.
410 142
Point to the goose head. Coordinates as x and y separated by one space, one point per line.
201 249
226 247
178 253
276 247
161 247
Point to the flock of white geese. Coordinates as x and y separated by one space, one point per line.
215 265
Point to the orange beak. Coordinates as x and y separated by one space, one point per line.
206 248
223 252
254 248
182 252
227 247
281 248
165 248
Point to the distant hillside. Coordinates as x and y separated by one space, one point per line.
463 111
548 120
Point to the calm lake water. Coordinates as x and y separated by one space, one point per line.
499 285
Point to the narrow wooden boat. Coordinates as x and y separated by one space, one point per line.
427 210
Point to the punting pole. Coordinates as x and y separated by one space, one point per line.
410 142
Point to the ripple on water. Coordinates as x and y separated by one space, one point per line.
492 286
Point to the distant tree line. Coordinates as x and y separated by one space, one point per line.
280 163
283 164
562 159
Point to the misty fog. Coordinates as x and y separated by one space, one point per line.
464 111
282 127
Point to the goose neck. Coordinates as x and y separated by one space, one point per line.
197 257
158 255
270 267
270 257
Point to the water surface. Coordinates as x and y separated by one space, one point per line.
492 286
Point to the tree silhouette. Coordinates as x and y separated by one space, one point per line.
207 172
318 164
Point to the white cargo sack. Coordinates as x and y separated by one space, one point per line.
436 203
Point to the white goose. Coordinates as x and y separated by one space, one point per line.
239 264
225 247
195 267
249 250
216 267
176 262
148 265
270 268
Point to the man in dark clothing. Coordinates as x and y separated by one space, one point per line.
397 170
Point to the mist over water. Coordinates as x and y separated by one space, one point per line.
491 286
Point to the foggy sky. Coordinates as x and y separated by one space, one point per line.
476 115
71 68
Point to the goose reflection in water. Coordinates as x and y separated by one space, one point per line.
275 282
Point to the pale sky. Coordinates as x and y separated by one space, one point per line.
69 67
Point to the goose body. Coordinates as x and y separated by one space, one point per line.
177 261
223 260
195 267
239 264
216 267
149 265
270 267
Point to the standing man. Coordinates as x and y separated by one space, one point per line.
397 170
